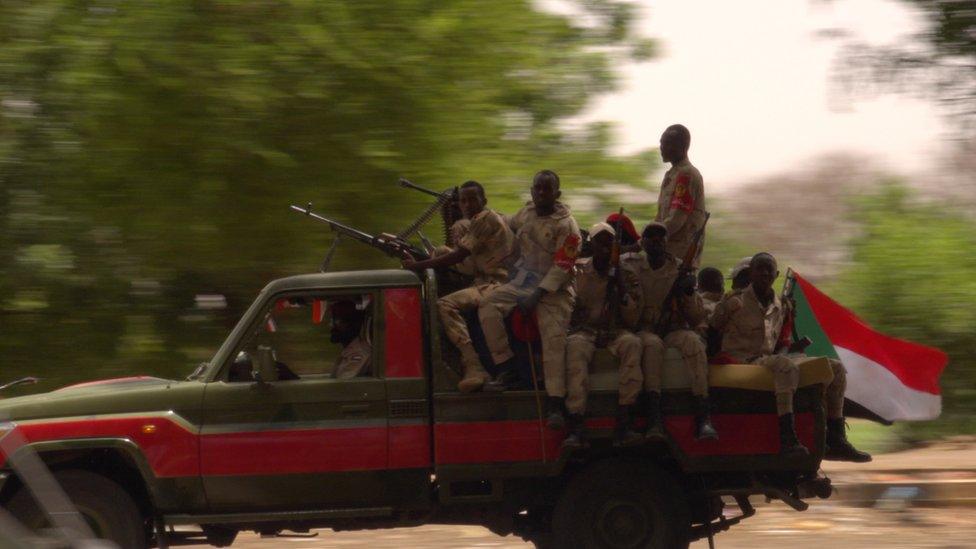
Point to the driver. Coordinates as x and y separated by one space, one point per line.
347 325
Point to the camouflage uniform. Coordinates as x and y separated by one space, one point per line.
655 285
681 208
489 240
589 321
354 360
751 334
547 247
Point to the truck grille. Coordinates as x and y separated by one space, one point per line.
408 408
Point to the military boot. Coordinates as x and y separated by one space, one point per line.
703 420
475 375
652 410
575 436
624 433
838 447
788 443
556 420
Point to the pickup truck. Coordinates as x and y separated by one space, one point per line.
264 437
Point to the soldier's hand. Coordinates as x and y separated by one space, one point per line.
528 303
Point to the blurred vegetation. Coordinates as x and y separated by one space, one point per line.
939 61
148 152
913 276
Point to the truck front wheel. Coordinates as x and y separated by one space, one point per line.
108 509
618 504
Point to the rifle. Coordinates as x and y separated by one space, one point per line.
788 334
670 305
387 243
613 275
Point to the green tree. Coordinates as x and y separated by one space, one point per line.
913 276
148 152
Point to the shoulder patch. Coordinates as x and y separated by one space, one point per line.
681 198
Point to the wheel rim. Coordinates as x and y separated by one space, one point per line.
623 524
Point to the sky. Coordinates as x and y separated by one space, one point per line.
752 81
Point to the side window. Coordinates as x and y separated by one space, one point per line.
311 336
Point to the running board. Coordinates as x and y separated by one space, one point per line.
279 516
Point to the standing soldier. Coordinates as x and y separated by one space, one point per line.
596 322
751 322
484 243
658 271
681 203
547 243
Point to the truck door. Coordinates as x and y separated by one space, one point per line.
303 438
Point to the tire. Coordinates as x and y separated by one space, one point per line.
617 504
108 509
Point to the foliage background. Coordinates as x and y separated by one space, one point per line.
149 151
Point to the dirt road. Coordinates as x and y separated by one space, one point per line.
824 525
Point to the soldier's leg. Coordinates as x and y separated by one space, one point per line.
626 347
838 447
553 314
692 350
652 363
786 378
579 353
491 313
450 307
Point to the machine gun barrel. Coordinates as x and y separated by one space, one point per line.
387 244
439 194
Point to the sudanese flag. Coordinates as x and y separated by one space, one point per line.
891 379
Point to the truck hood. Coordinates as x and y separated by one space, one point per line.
110 396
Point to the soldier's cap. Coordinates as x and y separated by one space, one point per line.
656 225
629 235
601 227
740 266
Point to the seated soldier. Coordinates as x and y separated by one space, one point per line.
711 287
541 281
596 322
347 327
483 244
751 322
657 272
740 274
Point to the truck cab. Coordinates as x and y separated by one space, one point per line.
266 437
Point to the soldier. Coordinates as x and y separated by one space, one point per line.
751 322
711 286
347 326
657 271
484 243
548 241
681 203
593 326
740 274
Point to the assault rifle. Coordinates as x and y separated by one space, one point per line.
670 306
789 341
389 244
613 275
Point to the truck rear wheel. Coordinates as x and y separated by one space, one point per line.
621 505
108 509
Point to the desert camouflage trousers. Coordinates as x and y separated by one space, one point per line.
692 350
451 308
580 347
553 312
786 379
